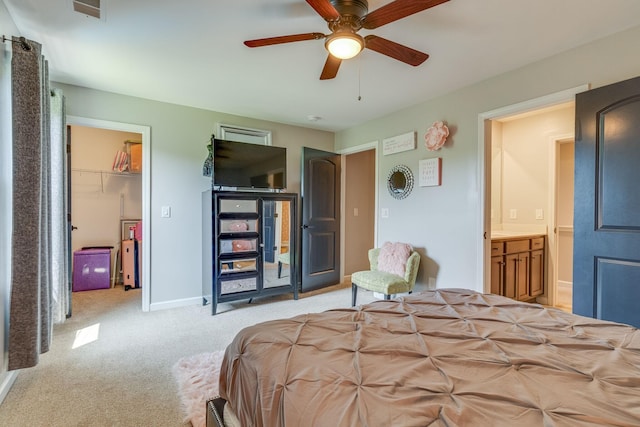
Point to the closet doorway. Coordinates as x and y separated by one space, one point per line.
103 199
360 201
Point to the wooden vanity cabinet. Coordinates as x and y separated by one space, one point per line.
497 267
517 267
536 279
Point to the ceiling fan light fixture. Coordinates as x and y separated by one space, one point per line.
344 44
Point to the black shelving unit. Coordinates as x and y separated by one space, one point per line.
249 247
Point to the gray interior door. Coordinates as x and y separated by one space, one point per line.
606 274
320 253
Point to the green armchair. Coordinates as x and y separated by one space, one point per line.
383 282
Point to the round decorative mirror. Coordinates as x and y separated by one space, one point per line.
400 182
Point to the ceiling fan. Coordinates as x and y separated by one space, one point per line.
345 18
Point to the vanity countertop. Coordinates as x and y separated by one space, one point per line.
507 235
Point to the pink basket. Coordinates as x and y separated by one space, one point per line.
137 231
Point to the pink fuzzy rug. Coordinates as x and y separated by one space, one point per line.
197 378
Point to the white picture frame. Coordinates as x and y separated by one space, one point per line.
399 143
430 172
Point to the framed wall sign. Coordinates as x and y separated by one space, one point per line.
431 172
398 144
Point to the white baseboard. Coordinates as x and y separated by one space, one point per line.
563 284
565 292
165 305
7 381
380 295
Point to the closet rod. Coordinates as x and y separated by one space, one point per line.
116 173
21 40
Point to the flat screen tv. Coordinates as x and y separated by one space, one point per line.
244 165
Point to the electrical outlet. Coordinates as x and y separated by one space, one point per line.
513 214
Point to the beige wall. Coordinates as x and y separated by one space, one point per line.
359 210
565 212
565 190
525 164
496 172
444 222
179 136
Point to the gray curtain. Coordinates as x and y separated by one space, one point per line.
59 230
30 316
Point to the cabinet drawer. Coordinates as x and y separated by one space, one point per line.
233 286
497 248
238 225
228 246
237 265
517 246
537 243
238 206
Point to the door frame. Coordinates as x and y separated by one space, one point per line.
145 131
554 142
373 145
483 242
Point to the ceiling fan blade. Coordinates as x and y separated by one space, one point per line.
331 67
395 50
397 10
284 39
324 9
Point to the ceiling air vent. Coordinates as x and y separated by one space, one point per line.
87 7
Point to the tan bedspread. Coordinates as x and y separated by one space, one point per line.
440 358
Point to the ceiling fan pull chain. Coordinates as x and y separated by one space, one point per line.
359 77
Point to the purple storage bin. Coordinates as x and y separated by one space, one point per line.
91 269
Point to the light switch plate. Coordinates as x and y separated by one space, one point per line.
166 212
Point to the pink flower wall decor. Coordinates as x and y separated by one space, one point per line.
436 136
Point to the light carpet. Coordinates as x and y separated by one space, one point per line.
197 378
123 377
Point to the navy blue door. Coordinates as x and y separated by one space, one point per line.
606 274
320 219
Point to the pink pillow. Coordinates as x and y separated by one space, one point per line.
238 226
242 245
393 257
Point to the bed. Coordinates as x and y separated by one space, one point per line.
439 358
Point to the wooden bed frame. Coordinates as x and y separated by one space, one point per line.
215 411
